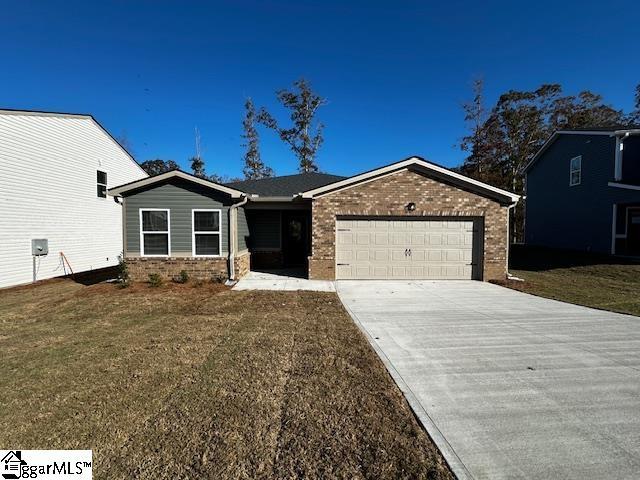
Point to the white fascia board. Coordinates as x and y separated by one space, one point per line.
413 161
175 173
624 185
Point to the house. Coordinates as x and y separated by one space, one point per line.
583 192
409 220
55 170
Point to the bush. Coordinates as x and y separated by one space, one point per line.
123 272
183 277
155 280
218 278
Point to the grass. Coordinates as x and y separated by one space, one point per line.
202 382
602 282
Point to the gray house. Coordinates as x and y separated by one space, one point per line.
409 220
583 192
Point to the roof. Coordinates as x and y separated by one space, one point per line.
119 190
312 185
612 131
285 186
420 164
83 116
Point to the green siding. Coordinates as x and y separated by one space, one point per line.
243 230
180 197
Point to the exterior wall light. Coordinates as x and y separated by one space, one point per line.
410 207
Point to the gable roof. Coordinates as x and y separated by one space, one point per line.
83 116
416 163
285 186
119 190
613 131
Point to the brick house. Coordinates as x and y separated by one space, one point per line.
409 220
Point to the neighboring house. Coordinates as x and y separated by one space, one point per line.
409 220
55 170
583 192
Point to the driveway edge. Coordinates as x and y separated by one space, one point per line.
457 467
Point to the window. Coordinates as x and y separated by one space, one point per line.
575 171
206 240
154 232
102 184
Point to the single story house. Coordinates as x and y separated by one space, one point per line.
55 215
583 191
412 219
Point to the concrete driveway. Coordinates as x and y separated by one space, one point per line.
510 385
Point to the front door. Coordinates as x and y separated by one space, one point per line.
295 238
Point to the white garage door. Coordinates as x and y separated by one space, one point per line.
404 249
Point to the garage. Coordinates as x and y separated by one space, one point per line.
436 248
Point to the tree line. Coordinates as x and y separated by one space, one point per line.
503 138
303 135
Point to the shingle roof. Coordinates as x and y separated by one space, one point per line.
286 185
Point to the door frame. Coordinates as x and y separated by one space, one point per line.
284 216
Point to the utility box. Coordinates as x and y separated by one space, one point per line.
39 246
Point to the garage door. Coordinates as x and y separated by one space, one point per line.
404 249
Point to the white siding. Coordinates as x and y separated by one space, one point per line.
48 167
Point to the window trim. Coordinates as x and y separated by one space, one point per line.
106 189
168 232
572 171
193 232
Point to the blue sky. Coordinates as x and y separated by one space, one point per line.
394 73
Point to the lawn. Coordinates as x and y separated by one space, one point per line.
188 381
603 282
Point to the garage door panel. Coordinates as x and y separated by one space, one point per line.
404 249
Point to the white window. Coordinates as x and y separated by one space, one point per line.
155 240
206 240
575 171
101 180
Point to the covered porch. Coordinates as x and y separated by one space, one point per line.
278 237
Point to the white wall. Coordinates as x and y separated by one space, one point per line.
48 167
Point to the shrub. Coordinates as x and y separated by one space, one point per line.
123 272
155 280
218 278
183 277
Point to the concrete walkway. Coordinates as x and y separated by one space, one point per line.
510 385
282 280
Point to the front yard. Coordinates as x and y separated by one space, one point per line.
603 282
188 381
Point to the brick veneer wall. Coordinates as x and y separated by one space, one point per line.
241 264
388 196
168 268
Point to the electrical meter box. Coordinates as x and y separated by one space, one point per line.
39 246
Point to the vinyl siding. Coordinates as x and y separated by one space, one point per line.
243 230
180 197
578 217
264 229
631 161
48 170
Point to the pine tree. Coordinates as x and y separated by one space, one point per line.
304 137
254 167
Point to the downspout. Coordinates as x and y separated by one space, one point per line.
618 156
233 235
509 276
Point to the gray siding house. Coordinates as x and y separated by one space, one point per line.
408 220
583 192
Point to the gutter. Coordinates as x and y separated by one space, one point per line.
233 235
